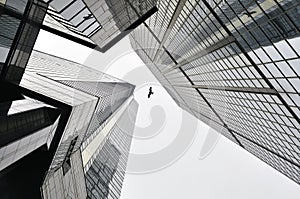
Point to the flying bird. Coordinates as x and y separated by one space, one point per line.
89 16
150 92
249 13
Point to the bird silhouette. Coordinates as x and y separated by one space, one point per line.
249 13
150 92
89 16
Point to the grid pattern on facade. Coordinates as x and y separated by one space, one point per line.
291 170
101 21
8 31
61 69
50 21
111 97
75 16
93 96
159 21
105 174
68 185
155 70
234 65
21 21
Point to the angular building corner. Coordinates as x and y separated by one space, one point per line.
67 128
94 131
96 24
235 65
81 134
60 121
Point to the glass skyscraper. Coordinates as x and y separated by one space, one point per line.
235 65
98 102
97 24
77 120
61 121
20 23
66 129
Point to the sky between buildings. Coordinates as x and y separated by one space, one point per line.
165 161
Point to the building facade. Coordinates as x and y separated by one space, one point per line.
97 24
20 23
60 120
235 65
72 121
98 168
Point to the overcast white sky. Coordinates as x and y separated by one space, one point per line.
157 170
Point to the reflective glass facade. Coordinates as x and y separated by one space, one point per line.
104 173
235 66
93 98
26 123
93 95
27 126
53 111
104 22
20 22
97 170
